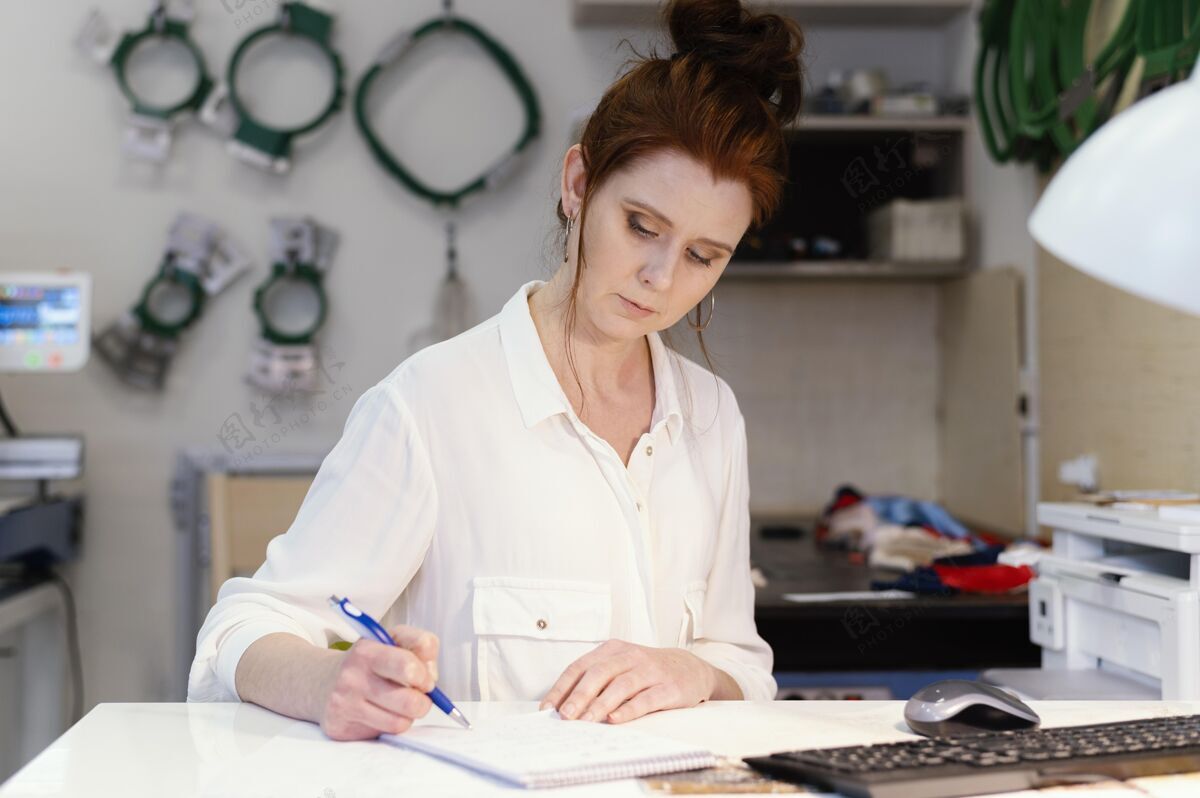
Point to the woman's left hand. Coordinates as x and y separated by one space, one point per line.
619 681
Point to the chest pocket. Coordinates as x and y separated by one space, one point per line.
528 631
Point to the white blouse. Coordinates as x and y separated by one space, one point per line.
467 498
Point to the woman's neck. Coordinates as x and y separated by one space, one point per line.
607 367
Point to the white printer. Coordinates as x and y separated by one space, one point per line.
1115 606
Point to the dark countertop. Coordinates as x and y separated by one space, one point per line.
962 631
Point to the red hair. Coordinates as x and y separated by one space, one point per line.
734 82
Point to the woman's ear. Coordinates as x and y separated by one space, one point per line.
574 180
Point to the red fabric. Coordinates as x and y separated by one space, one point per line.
991 539
845 496
843 500
984 578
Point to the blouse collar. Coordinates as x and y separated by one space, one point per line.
537 389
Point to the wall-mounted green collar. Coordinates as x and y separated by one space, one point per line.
161 26
275 144
392 54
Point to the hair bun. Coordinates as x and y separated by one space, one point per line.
762 49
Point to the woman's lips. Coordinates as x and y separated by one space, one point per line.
635 308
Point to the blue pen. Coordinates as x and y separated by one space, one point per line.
373 629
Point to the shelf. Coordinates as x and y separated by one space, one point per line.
841 269
916 13
865 122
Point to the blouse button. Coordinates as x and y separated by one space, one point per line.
649 450
639 505
541 624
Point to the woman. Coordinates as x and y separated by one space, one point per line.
553 505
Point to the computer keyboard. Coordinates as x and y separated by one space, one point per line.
987 762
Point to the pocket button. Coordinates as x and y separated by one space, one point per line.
541 624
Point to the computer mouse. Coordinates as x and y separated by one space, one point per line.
957 706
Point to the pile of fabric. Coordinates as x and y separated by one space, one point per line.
936 553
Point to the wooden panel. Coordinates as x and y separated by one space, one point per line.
218 532
245 513
259 509
1120 378
981 454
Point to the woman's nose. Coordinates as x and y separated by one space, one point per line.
658 272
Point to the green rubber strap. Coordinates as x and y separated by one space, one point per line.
1167 41
508 65
283 271
1034 90
1030 46
306 22
1121 46
1067 65
168 273
1062 64
171 29
990 63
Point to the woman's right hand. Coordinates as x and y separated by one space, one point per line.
375 688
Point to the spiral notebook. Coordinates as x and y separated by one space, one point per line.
541 750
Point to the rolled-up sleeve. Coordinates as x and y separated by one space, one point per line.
364 528
731 641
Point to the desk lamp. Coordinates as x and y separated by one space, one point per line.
1125 207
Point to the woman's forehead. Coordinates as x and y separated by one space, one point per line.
681 188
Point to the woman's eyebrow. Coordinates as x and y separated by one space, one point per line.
651 210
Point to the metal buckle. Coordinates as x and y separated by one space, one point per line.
395 48
201 248
139 358
256 157
192 238
1075 94
227 263
97 39
148 138
217 112
180 10
302 240
279 368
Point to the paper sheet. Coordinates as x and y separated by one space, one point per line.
306 763
849 595
518 747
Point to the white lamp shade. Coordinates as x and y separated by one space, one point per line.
1125 207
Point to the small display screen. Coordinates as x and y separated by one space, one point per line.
32 314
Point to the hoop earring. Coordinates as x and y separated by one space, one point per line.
567 244
712 307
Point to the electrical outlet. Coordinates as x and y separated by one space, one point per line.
1046 617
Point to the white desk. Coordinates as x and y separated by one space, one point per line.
178 750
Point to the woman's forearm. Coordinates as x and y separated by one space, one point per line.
288 675
725 689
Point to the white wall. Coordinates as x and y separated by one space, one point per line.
68 199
